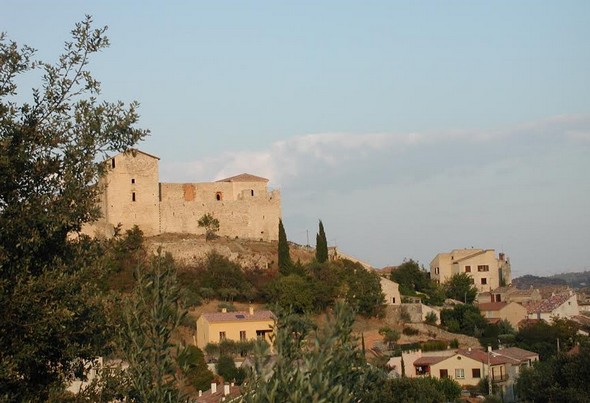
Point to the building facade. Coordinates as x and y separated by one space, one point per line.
487 271
237 326
133 195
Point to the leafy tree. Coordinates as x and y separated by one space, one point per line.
226 368
464 318
406 390
211 225
363 290
460 287
390 336
329 368
50 153
542 337
150 317
292 292
326 281
192 363
285 263
410 277
218 273
321 248
564 378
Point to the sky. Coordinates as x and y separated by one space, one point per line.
409 128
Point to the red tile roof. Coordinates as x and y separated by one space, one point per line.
547 305
484 357
429 360
516 353
492 306
240 316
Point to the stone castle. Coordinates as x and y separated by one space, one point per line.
133 195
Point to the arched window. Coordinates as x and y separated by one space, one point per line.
219 196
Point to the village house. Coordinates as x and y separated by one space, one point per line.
495 312
391 291
237 326
563 305
510 294
487 271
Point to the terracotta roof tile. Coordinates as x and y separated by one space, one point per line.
492 306
429 360
546 305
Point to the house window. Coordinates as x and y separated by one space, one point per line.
252 192
218 196
242 335
459 373
436 270
483 267
221 336
476 372
444 373
484 280
467 269
133 180
393 300
113 163
133 196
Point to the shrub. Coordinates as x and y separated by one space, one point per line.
434 345
227 306
410 331
454 343
431 318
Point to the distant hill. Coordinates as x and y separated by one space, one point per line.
573 280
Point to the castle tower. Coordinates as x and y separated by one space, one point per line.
131 195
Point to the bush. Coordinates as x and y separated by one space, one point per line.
410 331
454 343
226 368
431 318
229 307
434 345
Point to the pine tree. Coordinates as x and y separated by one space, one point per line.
321 248
285 263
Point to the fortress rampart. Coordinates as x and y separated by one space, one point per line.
133 195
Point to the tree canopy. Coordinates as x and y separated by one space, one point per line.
50 153
321 248
285 263
460 287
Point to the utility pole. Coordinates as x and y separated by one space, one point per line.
489 372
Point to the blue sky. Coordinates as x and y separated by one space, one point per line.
410 128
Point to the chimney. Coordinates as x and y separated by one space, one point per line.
251 310
226 389
224 310
200 393
501 256
489 349
213 387
469 349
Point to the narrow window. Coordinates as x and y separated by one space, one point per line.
113 163
221 336
218 196
242 335
133 196
252 192
393 299
132 180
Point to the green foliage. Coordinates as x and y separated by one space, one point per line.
326 279
454 343
410 331
192 364
292 292
211 225
434 345
50 153
564 378
219 274
410 277
460 287
409 390
541 337
431 318
363 290
464 318
321 248
124 253
226 368
151 315
390 336
327 367
285 263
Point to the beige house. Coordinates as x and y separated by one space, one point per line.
487 270
469 367
133 195
564 305
497 311
510 294
391 291
236 326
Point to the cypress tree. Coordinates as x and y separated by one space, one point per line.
285 263
321 245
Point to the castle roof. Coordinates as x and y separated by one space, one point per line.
134 151
244 178
217 317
